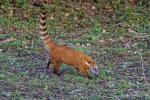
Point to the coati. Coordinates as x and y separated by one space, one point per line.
63 54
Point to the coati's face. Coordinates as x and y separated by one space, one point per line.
92 66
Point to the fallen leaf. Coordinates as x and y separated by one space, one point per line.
7 40
1 50
2 31
66 15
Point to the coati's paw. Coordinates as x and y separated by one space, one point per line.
48 64
57 73
89 77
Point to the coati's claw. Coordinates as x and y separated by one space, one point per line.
57 73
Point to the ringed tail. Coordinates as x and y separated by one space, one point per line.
46 38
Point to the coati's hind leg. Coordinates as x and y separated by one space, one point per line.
48 64
57 66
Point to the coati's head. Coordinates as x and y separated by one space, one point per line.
92 65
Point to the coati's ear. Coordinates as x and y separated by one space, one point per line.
94 70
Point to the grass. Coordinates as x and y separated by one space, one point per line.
116 35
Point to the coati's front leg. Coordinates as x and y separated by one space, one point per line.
57 66
85 72
78 71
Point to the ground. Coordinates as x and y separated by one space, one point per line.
115 34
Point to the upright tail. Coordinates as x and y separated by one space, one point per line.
43 28
46 38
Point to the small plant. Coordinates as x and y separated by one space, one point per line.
94 34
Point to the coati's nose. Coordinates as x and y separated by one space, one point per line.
95 70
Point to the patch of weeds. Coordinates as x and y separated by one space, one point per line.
143 28
142 45
140 97
124 85
94 98
135 18
116 50
93 35
4 36
118 93
74 77
64 36
32 24
105 75
79 78
3 76
4 93
124 65
68 77
35 83
18 64
85 50
23 74
16 43
106 72
3 21
30 64
18 24
13 80
17 95
7 60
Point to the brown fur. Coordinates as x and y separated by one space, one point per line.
66 55
63 54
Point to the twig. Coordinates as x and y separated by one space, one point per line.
142 63
143 69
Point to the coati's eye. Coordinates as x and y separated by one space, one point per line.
89 62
